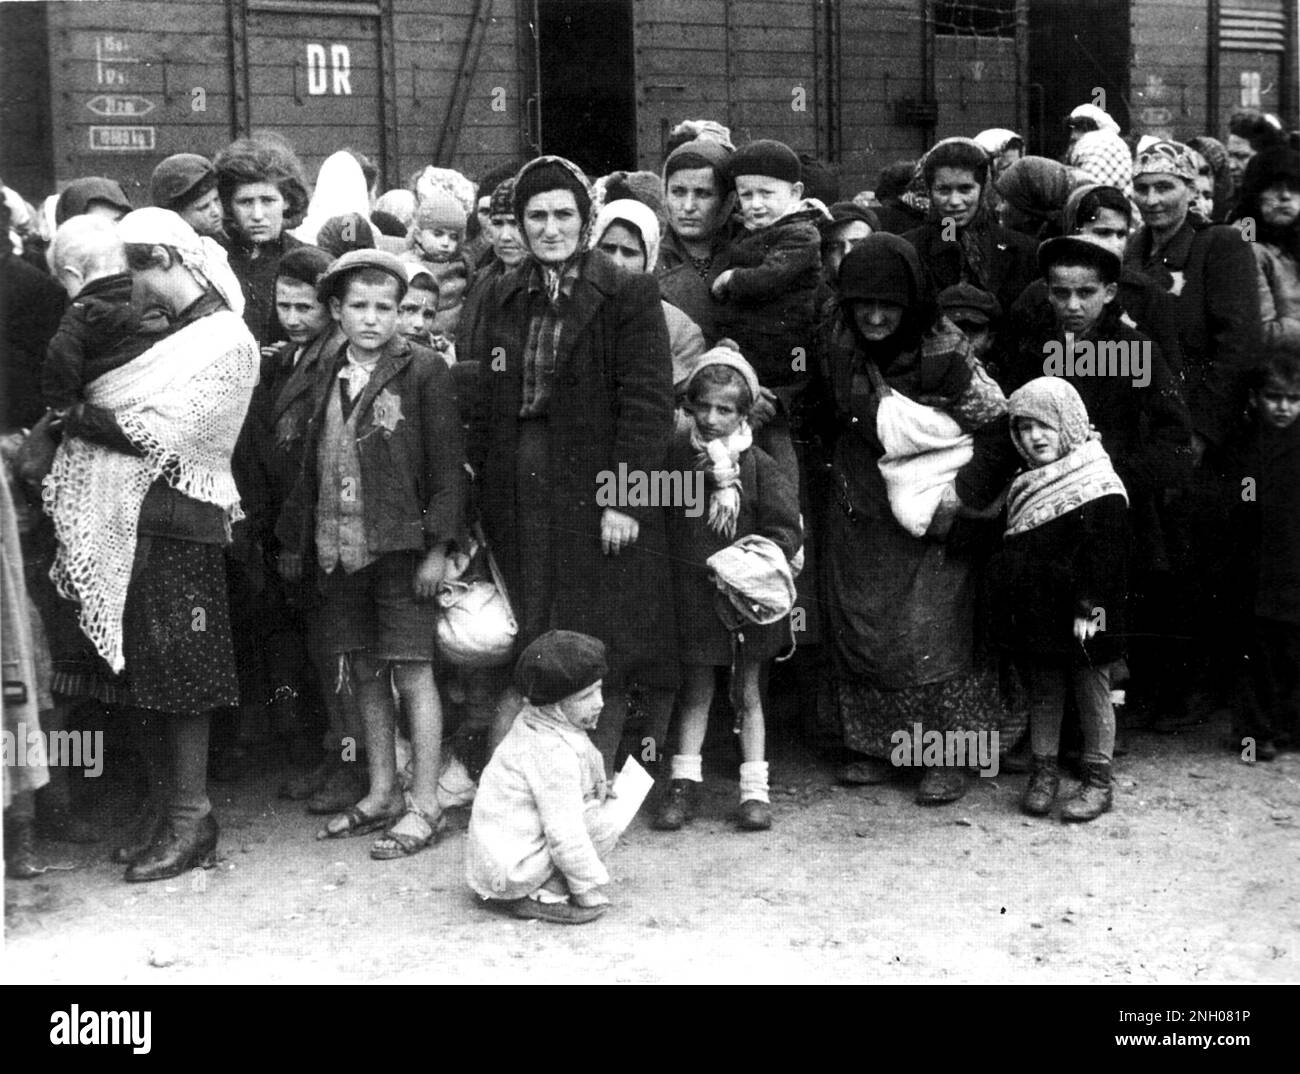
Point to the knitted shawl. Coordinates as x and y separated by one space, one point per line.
182 403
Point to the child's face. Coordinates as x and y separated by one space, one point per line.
717 411
301 314
583 709
877 320
415 314
1078 297
438 243
764 198
258 211
204 214
1110 228
979 334
955 192
1040 443
368 315
1279 205
1278 402
624 246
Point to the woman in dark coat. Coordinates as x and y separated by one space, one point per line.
575 381
901 610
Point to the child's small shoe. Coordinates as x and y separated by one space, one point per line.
677 807
1094 798
755 816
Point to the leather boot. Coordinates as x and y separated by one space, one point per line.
677 807
1040 791
178 852
1093 798
147 829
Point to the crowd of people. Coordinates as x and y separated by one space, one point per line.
1004 449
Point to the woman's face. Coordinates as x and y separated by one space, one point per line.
166 290
1162 199
842 239
877 320
552 226
258 211
1203 199
695 204
623 245
1279 204
955 193
506 240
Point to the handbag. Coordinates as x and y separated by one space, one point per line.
476 624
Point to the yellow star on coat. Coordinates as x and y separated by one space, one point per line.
387 410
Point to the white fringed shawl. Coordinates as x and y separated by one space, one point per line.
182 402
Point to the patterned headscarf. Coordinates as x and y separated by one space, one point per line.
1105 159
1167 158
503 199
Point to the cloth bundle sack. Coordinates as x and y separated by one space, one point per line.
924 449
754 580
476 624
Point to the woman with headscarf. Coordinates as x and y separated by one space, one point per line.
340 191
1033 192
1215 155
899 598
142 499
1212 275
575 387
1104 158
961 242
1003 146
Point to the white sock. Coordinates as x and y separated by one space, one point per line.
688 766
753 781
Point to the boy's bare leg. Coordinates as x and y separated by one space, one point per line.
375 700
419 694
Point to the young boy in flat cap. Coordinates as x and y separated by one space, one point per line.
379 502
186 183
537 836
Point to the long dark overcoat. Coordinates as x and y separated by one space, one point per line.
612 404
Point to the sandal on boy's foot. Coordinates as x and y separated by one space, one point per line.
755 816
394 844
867 772
343 786
941 785
358 822
559 913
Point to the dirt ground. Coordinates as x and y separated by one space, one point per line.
1192 878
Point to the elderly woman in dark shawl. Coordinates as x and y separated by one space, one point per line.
901 597
575 383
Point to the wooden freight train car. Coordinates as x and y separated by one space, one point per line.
111 87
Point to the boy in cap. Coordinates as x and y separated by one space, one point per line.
537 836
186 183
974 311
768 290
379 502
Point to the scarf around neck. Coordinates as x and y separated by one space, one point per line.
720 460
1040 495
182 403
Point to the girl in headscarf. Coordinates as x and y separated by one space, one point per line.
900 602
575 381
961 242
1215 155
1061 588
628 232
142 499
